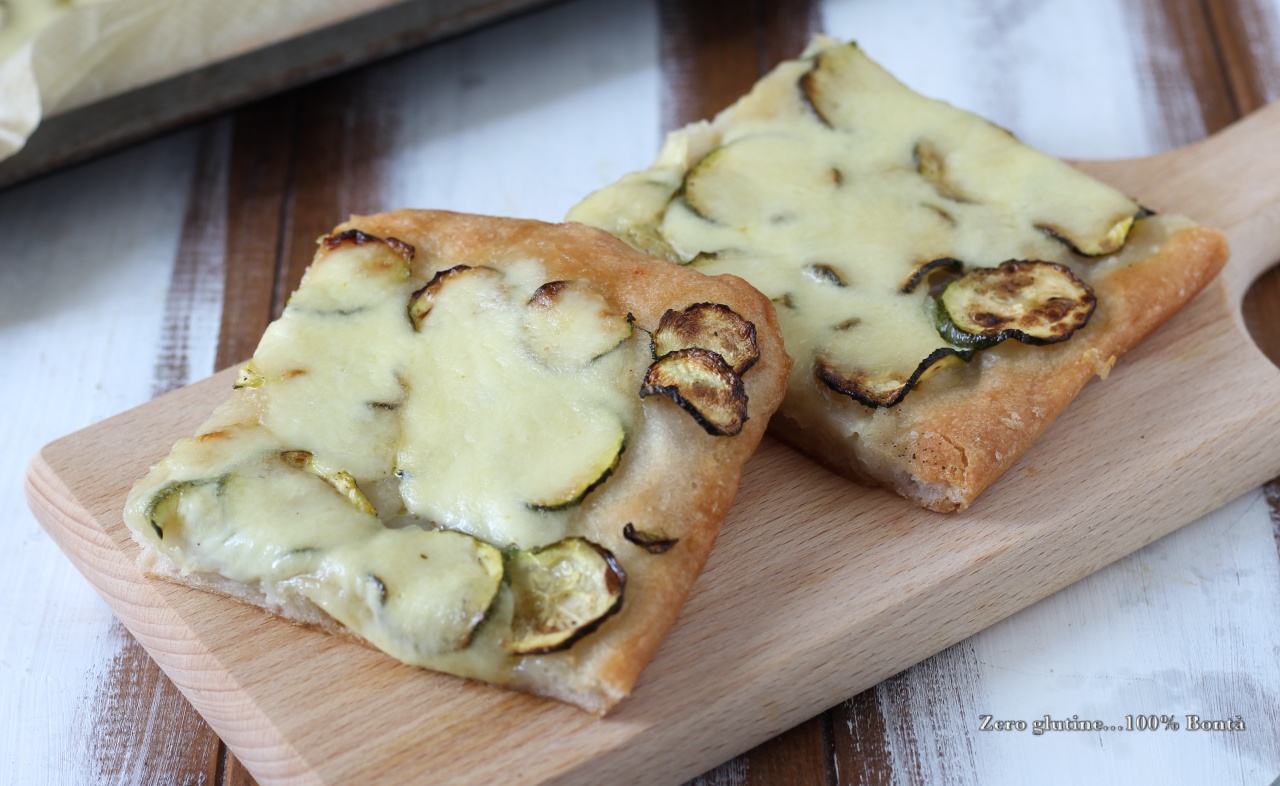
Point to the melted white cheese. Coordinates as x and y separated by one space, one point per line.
452 428
481 416
828 185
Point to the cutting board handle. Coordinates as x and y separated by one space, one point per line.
1235 176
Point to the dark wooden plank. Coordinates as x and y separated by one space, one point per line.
709 57
141 731
860 741
799 755
785 27
713 51
261 167
1245 31
340 148
231 772
1181 54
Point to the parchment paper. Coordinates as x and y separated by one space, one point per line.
96 52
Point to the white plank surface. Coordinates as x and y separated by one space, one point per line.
525 119
1061 74
83 281
522 119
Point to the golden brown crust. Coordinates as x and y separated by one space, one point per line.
675 479
942 446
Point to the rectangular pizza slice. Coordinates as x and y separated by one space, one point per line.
460 444
944 289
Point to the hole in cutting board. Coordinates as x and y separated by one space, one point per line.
1261 310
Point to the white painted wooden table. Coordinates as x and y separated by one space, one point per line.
112 290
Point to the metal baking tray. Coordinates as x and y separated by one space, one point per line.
87 131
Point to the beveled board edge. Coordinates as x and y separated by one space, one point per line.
180 654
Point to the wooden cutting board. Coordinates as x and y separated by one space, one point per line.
816 589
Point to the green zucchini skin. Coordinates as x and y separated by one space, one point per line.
555 581
1030 301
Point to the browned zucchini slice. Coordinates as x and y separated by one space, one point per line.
350 275
562 592
650 542
582 461
825 274
341 481
876 357
164 512
824 88
1033 302
883 388
1108 243
932 166
354 237
926 271
420 302
568 324
701 382
712 326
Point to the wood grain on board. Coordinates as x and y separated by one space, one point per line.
275 207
